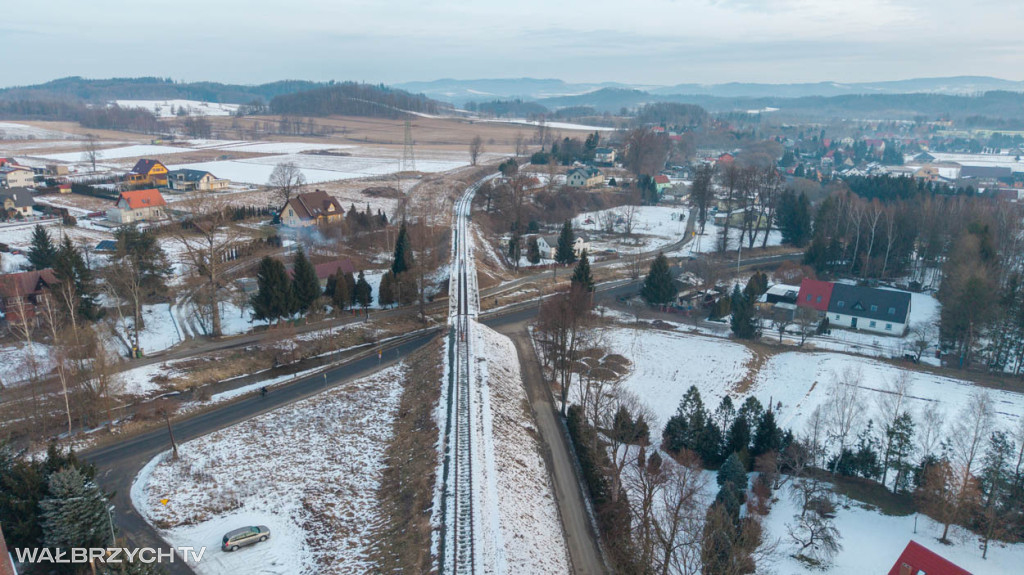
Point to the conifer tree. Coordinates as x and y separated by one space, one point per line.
581 276
744 323
42 252
363 292
341 296
767 436
74 513
274 299
532 250
79 291
305 284
658 288
564 253
403 252
386 291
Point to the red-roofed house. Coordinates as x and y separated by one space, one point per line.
725 158
814 294
917 559
21 293
138 205
335 268
662 183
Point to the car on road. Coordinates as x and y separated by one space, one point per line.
245 536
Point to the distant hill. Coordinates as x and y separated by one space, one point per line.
462 91
352 99
100 91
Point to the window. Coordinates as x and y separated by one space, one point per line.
874 308
808 297
840 303
888 327
872 324
837 316
819 299
892 311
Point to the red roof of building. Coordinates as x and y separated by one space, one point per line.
814 294
661 179
921 560
139 199
26 283
326 270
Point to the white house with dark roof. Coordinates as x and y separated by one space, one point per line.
584 177
186 180
870 309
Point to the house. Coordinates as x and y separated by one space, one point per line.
917 559
148 172
105 247
311 209
22 293
604 156
870 309
924 158
138 205
814 294
55 170
662 183
15 176
17 201
782 293
336 268
584 178
990 174
548 246
725 159
190 180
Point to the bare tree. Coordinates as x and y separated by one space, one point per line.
679 519
844 410
922 336
629 217
807 320
646 151
891 404
966 441
565 327
815 536
207 236
476 147
92 150
285 180
520 144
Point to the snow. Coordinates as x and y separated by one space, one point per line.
319 518
10 263
161 331
992 160
713 365
162 108
654 227
141 380
708 242
873 541
556 125
14 361
12 131
527 511
119 153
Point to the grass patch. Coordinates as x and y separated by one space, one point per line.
874 494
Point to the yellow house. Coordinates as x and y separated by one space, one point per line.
149 172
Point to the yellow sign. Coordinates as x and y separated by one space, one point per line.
164 501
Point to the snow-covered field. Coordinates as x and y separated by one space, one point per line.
528 514
15 361
654 227
320 517
707 243
118 153
169 108
13 131
555 125
799 381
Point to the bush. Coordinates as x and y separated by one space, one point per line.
540 158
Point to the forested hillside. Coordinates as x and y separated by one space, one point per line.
353 99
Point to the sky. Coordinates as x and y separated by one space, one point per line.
644 42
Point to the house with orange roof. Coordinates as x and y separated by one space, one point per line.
137 206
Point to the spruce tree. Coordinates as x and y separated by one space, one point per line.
274 299
564 253
42 252
767 436
733 471
69 266
532 250
744 322
403 252
581 276
658 288
74 513
386 291
305 284
363 292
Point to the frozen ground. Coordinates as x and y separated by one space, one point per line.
530 525
117 153
555 125
13 131
708 242
15 361
169 108
654 227
309 471
993 160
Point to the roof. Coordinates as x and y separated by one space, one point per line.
870 303
325 270
814 294
603 150
106 246
783 290
310 205
22 197
139 199
993 172
189 175
25 283
8 168
922 560
144 166
661 179
586 172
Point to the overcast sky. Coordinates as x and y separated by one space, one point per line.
632 41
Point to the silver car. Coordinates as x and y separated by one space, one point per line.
245 536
